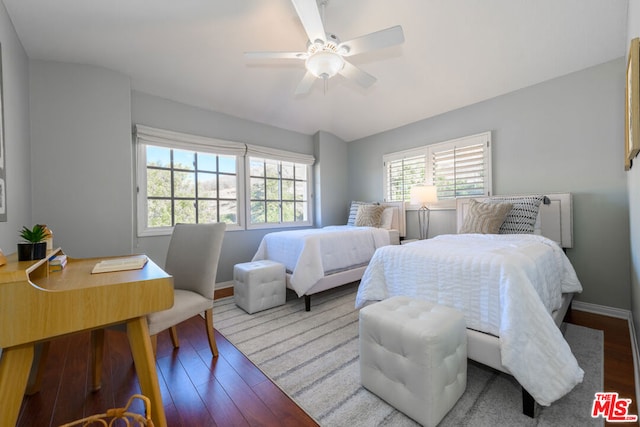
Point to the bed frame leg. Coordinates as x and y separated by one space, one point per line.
528 404
307 303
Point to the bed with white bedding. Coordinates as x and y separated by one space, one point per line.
514 290
318 259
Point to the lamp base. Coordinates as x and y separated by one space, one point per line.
423 222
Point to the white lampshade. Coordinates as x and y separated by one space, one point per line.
423 194
324 64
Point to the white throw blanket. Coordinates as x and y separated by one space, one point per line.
506 285
311 253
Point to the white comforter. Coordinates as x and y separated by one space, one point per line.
311 253
506 285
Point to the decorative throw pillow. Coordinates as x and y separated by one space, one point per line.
485 218
353 212
369 216
523 215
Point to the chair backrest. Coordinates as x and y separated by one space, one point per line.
192 259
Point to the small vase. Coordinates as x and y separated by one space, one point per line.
32 251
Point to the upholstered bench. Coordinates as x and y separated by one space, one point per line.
413 355
259 285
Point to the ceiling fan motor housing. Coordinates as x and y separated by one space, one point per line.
324 60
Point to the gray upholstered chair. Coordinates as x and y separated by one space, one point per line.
192 260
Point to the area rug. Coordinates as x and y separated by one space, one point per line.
313 357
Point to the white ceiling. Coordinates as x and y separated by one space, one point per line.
456 52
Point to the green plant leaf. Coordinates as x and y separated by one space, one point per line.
35 235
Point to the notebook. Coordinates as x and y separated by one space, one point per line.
135 262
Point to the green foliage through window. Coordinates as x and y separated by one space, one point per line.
278 191
189 186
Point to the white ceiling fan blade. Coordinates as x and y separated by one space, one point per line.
305 84
378 40
352 72
309 15
275 55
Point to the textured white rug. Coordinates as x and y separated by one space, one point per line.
313 357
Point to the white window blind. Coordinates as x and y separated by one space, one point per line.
459 168
402 171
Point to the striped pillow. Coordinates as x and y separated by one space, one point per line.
369 216
485 218
523 215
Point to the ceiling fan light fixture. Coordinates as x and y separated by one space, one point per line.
324 64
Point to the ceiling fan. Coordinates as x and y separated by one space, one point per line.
325 55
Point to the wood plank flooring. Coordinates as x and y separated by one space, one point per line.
227 391
618 356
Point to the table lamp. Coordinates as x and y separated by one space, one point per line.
422 195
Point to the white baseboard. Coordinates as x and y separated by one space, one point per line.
601 309
224 285
620 314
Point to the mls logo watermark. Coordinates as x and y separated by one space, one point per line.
612 408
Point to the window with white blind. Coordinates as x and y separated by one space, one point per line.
459 168
193 179
402 171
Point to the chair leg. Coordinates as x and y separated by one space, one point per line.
154 344
208 318
97 354
173 332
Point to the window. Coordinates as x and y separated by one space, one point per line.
459 168
279 188
190 186
404 172
279 192
191 179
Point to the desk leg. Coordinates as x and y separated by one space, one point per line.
15 366
138 333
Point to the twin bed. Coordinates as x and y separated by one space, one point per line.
318 259
514 289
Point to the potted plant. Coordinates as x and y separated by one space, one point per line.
33 245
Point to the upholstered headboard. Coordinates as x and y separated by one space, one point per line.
555 218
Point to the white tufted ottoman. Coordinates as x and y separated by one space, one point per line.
259 285
413 354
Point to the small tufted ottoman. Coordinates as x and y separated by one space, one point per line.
259 285
413 354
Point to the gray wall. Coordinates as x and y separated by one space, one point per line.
563 135
15 85
81 157
633 180
330 173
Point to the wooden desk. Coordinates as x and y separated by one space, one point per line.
36 306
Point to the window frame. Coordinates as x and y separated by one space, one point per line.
279 156
428 152
145 136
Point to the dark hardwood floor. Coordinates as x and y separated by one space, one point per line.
618 356
227 391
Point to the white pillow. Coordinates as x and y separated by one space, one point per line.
387 218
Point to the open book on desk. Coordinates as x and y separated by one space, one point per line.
134 262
